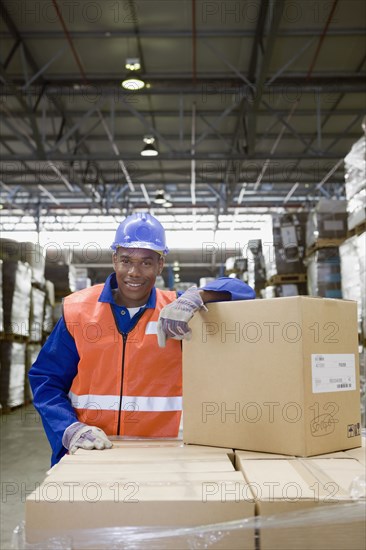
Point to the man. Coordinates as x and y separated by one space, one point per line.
113 363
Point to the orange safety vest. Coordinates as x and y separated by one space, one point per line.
126 384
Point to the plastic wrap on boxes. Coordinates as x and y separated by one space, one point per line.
355 168
16 297
31 354
324 273
361 245
50 292
1 298
337 526
27 252
363 385
12 373
357 209
48 323
37 314
352 285
327 221
289 242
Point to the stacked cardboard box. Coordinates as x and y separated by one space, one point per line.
26 252
170 485
324 273
289 232
353 286
37 309
16 293
313 503
31 354
12 373
326 230
277 375
1 299
327 222
355 178
121 498
48 322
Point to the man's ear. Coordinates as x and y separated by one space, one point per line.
114 260
161 264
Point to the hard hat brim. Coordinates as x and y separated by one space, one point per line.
140 244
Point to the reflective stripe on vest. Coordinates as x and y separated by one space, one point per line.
134 403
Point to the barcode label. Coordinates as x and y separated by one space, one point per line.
333 372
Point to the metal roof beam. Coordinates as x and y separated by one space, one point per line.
178 155
224 137
203 112
172 33
28 112
260 69
147 125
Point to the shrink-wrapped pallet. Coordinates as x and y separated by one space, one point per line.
17 286
48 323
1 298
353 285
27 252
289 236
328 221
32 351
12 373
324 273
355 180
37 314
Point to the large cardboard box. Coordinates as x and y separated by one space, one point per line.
158 496
307 503
59 507
278 375
147 450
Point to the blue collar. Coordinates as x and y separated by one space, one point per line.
111 283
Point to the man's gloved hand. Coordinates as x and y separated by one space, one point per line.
79 435
173 318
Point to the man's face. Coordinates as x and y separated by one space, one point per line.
136 270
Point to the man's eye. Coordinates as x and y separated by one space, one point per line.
147 264
125 260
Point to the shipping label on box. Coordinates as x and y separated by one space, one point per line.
278 376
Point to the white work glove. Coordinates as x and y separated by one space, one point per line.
173 318
79 435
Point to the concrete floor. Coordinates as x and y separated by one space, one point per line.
25 457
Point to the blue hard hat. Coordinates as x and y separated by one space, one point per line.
141 230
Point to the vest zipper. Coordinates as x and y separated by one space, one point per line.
124 336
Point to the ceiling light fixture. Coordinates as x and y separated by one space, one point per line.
133 82
149 149
160 197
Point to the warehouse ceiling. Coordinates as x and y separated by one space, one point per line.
252 105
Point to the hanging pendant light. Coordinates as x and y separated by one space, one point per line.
132 82
149 149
